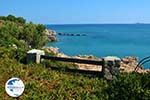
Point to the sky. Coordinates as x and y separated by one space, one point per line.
78 11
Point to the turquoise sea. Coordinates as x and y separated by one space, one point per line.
104 39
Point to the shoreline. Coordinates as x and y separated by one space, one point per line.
128 63
103 39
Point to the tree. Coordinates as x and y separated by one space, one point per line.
21 20
40 28
11 18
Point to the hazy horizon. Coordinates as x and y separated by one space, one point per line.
79 12
96 23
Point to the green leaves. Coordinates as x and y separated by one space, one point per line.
44 83
20 36
19 20
131 86
14 29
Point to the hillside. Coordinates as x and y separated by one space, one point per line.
44 82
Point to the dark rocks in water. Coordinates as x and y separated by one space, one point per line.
83 34
67 34
71 34
78 35
60 33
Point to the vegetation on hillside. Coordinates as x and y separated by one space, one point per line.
19 33
17 36
44 83
12 18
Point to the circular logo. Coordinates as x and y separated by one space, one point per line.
14 87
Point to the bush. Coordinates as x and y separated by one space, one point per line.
16 36
12 33
130 86
19 20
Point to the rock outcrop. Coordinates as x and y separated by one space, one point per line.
51 50
51 34
128 64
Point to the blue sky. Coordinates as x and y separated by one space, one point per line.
78 11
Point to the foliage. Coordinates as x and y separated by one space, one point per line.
12 18
44 83
50 84
12 33
41 81
133 86
17 37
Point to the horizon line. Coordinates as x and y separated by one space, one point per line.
97 23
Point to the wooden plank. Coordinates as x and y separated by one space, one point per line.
74 60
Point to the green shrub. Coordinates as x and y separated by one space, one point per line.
42 82
133 86
16 37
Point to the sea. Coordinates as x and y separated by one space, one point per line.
102 40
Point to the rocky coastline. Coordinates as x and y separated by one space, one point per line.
68 34
128 64
51 35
